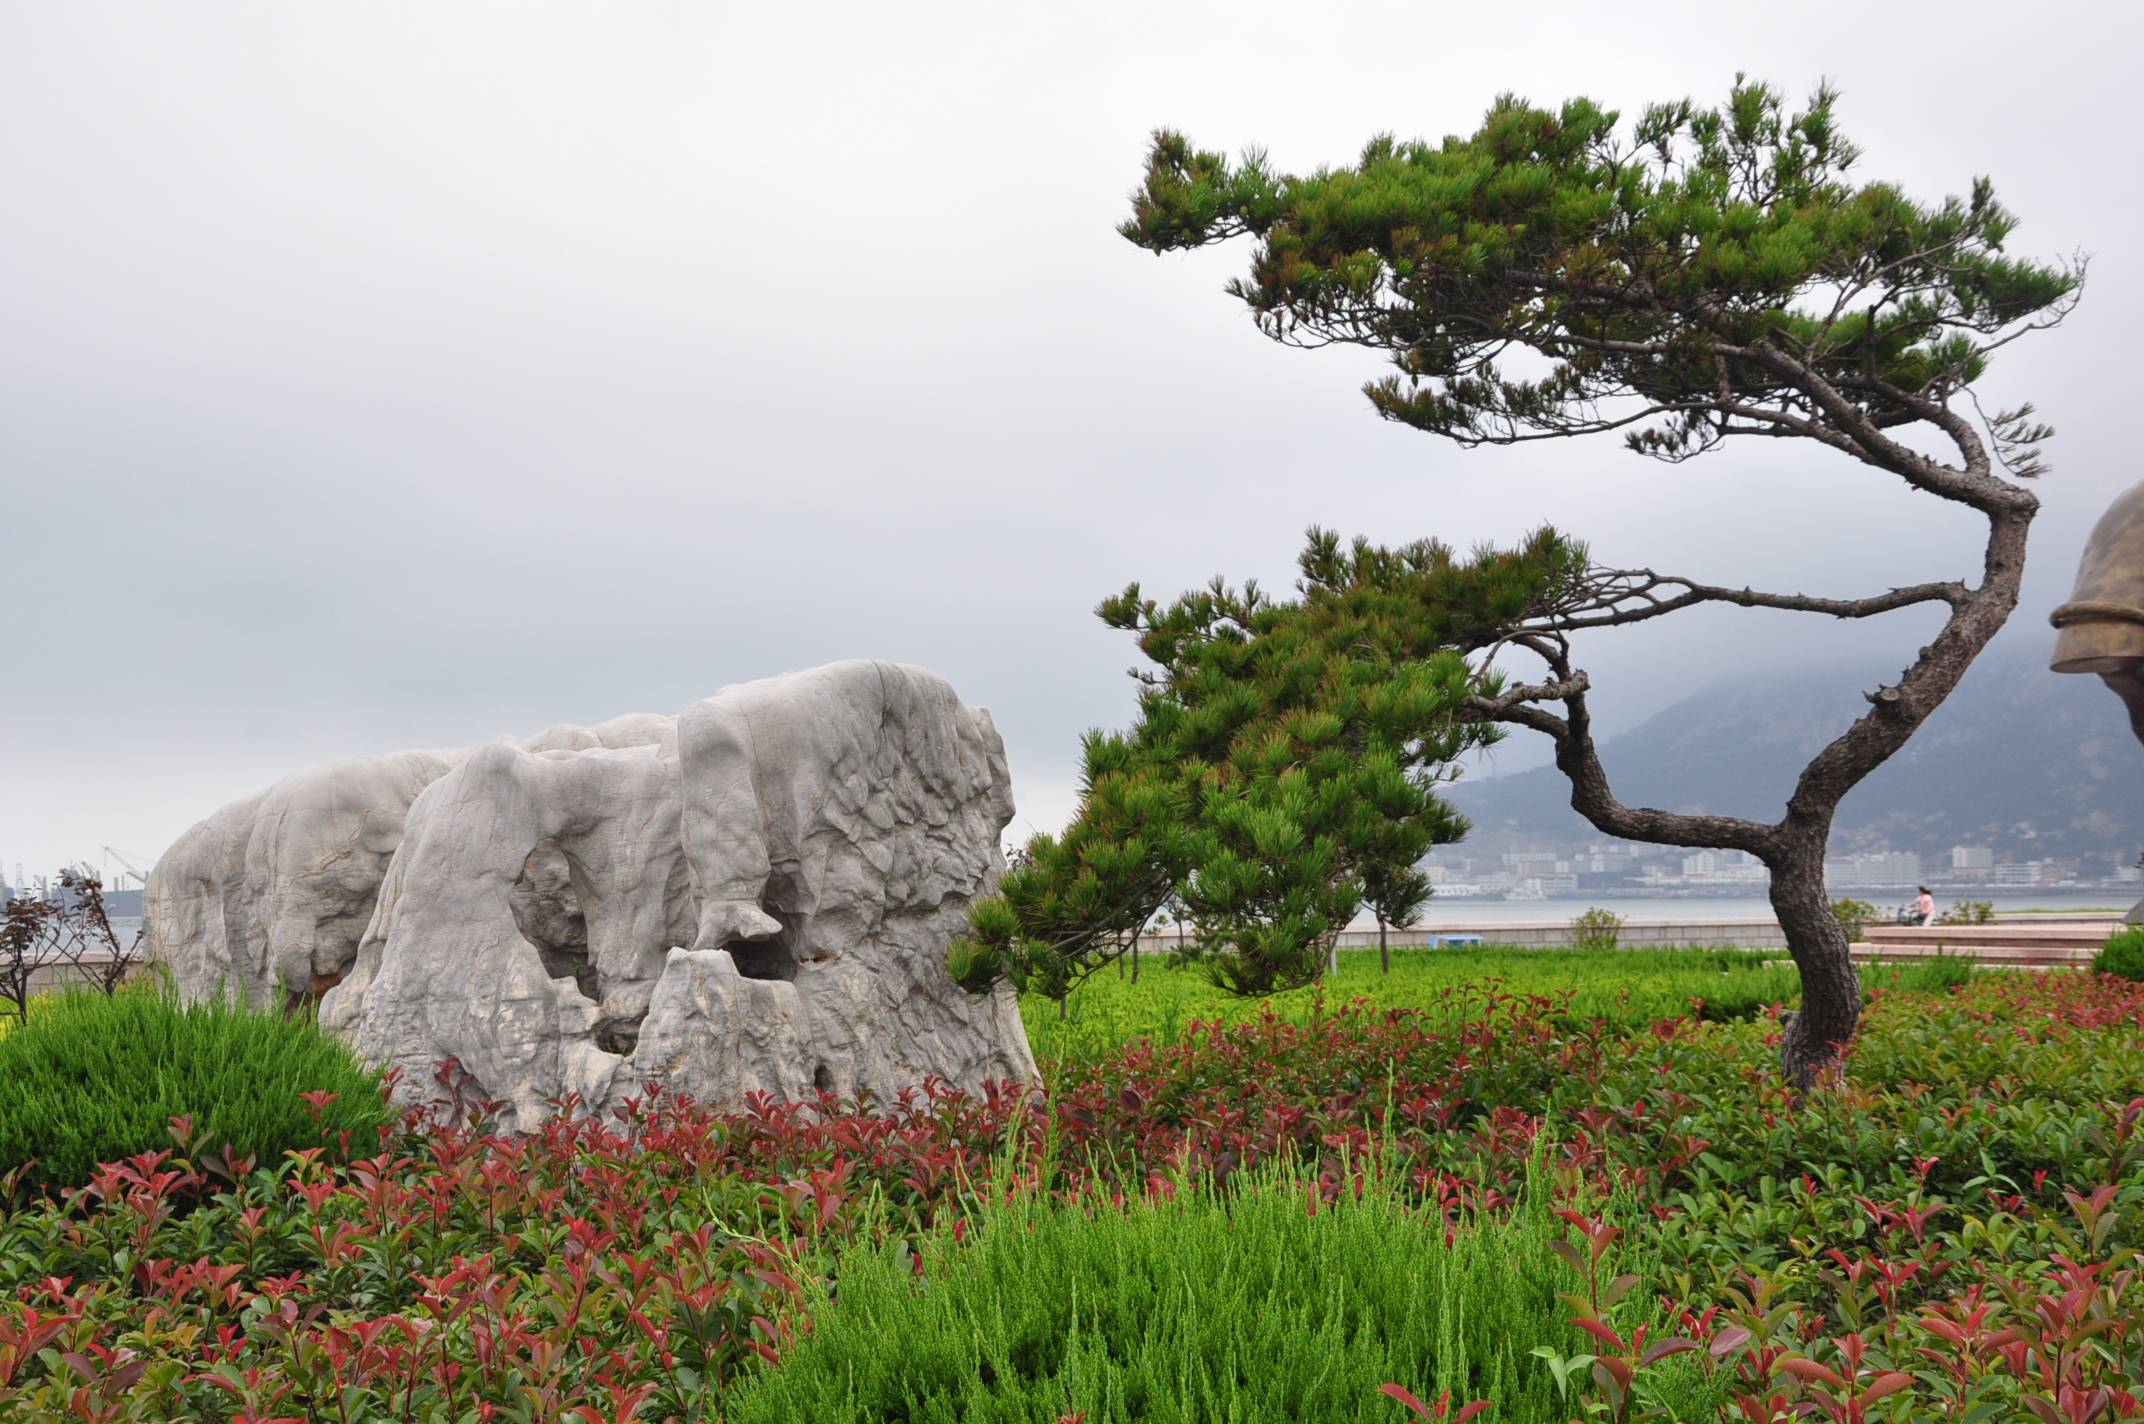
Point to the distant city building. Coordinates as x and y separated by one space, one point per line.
1717 862
1723 867
1881 870
1600 868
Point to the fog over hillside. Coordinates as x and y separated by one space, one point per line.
2019 759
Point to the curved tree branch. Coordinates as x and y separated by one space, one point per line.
1603 604
1579 761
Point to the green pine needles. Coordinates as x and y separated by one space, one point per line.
97 1078
1281 773
1664 270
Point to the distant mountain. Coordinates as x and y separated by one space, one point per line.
2022 760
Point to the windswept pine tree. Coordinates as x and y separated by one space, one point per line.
1281 771
1700 277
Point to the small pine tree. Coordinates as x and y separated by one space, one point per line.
1395 894
1280 774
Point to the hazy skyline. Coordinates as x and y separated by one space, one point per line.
405 375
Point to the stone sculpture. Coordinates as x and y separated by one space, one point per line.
2101 628
755 895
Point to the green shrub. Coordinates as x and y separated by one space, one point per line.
1968 912
1854 916
96 1078
2123 954
1204 1306
1596 929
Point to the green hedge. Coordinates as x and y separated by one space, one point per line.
2123 954
95 1078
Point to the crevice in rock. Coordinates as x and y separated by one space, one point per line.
619 1036
772 958
547 911
822 1078
307 1000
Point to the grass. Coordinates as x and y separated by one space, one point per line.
2084 910
1626 987
1259 1303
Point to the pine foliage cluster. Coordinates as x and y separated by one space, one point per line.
1281 773
1659 267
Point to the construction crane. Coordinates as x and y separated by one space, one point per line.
129 865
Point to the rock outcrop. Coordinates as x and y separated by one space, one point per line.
268 898
753 896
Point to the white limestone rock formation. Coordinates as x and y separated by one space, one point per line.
268 898
754 896
838 822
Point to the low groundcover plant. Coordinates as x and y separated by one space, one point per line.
1658 1226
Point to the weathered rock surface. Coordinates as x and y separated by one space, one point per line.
2102 626
268 897
753 896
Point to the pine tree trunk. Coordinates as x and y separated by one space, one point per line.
1831 990
1135 961
1384 951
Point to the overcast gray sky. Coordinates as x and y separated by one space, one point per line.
385 375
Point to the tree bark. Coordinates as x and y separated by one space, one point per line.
1831 990
1792 848
1384 951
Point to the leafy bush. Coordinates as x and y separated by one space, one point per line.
2123 954
1596 929
96 1078
1968 912
1184 1307
1854 916
69 934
